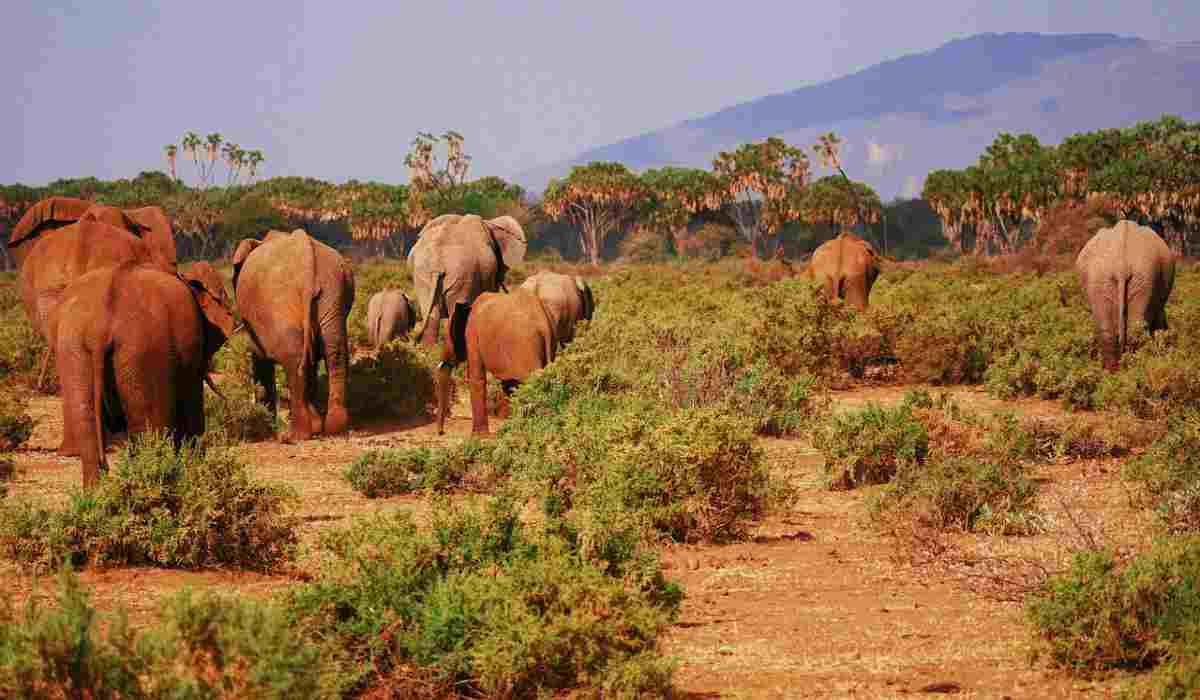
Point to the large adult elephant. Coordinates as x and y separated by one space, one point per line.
294 294
509 335
1127 273
567 299
457 258
61 238
848 266
133 350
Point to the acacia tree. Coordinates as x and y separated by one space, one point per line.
761 183
674 196
836 201
242 164
433 187
599 198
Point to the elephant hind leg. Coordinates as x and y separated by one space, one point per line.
298 388
264 376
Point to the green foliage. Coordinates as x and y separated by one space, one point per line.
188 508
204 647
238 414
251 217
381 473
870 445
1105 614
487 605
16 425
1168 474
396 382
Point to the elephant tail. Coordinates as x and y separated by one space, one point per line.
1122 301
312 293
99 358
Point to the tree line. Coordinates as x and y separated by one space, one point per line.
1149 173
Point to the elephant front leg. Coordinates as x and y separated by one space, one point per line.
264 377
79 416
444 384
477 380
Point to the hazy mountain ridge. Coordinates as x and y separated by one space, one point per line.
904 117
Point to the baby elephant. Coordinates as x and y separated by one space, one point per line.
390 314
133 347
510 335
1127 272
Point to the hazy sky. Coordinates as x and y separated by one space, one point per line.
338 89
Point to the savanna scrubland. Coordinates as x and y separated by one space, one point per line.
726 485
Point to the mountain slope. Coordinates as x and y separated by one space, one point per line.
902 118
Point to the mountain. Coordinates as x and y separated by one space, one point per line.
900 119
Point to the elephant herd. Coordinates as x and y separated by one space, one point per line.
133 336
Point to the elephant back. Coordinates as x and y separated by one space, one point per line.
1122 247
47 214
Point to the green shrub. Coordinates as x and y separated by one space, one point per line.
1168 474
868 446
1103 614
396 382
486 606
191 507
237 413
205 647
962 494
382 473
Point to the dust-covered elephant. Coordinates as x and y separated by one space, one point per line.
1127 273
61 238
390 315
509 335
294 294
133 350
848 266
457 258
567 299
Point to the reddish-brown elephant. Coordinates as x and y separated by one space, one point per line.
510 335
569 300
848 266
294 294
133 350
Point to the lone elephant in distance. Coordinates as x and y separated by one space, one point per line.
568 300
1127 273
133 351
294 294
390 314
848 266
510 335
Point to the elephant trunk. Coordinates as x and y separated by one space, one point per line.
437 312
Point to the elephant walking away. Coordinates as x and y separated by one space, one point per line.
390 314
848 266
1127 273
133 350
509 335
567 299
294 294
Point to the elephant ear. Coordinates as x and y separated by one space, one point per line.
47 214
244 249
585 292
219 323
202 271
458 330
154 227
510 237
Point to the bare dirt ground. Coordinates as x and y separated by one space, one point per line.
817 605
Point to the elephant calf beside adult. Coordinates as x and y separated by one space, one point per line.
133 349
294 294
510 335
569 300
390 315
1127 273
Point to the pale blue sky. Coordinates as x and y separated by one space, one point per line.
337 90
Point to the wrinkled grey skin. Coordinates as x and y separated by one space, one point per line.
568 300
294 294
390 315
1127 273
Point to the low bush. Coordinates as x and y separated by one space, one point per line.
482 604
15 423
21 347
8 471
237 413
1168 474
396 382
191 507
868 446
382 473
204 647
1106 614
